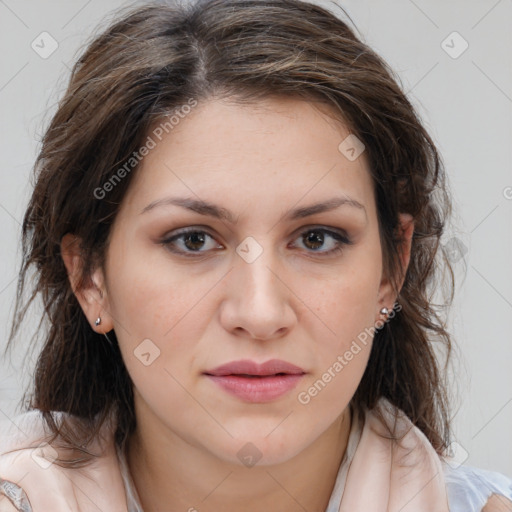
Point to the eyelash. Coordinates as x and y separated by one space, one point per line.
342 240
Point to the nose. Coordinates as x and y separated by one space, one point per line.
259 303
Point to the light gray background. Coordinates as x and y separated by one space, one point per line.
466 102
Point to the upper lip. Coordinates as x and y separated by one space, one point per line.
248 367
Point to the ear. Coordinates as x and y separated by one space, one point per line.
387 293
90 291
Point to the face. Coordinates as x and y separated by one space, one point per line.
255 275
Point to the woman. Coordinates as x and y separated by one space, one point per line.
234 228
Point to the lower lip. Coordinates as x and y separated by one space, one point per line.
257 389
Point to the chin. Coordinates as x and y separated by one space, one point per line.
262 449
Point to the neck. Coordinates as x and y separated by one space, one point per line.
170 474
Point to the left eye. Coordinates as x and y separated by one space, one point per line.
317 237
192 241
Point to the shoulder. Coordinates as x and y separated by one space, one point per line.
25 435
472 489
25 461
32 478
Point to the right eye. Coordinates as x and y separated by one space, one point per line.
189 241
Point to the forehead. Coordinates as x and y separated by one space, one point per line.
271 152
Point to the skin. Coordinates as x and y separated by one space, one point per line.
294 302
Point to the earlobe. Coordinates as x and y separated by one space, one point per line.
90 291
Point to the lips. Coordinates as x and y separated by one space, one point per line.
257 383
249 368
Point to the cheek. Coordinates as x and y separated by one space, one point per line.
341 358
155 326
148 297
347 304
152 298
343 327
350 318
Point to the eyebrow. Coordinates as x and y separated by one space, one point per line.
212 210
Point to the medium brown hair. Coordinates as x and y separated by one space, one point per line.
150 61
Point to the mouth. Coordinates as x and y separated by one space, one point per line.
256 383
248 368
253 376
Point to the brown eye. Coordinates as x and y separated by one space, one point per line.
190 242
194 240
316 239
